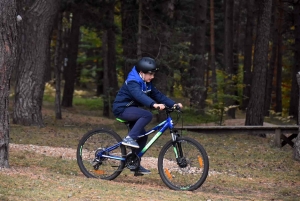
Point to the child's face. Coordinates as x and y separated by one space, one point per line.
148 76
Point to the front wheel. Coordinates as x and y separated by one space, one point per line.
88 148
183 164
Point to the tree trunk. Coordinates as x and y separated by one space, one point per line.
228 56
70 69
247 77
139 34
255 110
213 54
34 44
129 41
198 92
272 63
294 102
99 78
58 67
8 58
105 75
110 83
238 10
111 45
48 67
296 149
278 92
278 107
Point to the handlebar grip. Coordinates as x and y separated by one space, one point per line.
176 107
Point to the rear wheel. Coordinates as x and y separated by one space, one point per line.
183 165
94 142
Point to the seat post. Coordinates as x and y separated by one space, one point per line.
127 123
128 126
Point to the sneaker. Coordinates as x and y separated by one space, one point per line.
141 171
128 141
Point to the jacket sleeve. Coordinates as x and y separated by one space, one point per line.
161 98
138 95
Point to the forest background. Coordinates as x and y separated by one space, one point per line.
220 56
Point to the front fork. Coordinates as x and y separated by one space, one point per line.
176 144
181 161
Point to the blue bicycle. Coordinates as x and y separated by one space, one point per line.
182 162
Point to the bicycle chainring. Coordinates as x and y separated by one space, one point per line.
132 161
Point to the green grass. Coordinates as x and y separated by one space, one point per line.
242 167
94 103
191 117
89 103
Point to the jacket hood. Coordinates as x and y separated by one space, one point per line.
134 75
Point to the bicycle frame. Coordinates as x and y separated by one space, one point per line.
161 128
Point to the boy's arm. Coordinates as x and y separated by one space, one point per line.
161 98
137 94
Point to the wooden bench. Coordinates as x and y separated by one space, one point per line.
283 134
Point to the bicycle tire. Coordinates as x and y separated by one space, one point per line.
192 174
94 141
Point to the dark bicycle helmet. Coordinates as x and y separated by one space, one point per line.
146 65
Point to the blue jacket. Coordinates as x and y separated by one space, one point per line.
136 92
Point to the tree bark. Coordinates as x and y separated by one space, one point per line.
112 72
70 69
278 92
272 63
99 79
255 110
105 75
294 102
129 40
139 34
112 85
58 67
34 44
213 53
198 92
296 149
247 77
8 50
228 57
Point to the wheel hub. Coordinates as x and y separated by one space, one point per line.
182 162
98 159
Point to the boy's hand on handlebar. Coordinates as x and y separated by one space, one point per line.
159 106
178 105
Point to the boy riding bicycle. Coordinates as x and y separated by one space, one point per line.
138 90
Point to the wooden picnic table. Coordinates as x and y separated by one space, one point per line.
283 134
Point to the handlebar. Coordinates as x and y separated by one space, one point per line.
168 110
171 109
